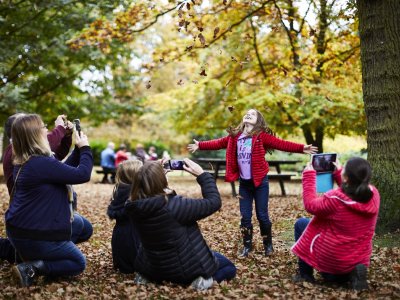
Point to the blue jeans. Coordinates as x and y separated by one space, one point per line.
81 229
60 258
260 194
304 268
226 270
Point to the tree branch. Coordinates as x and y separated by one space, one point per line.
256 49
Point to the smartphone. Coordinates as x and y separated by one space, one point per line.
323 162
175 164
77 123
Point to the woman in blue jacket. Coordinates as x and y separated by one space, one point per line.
39 218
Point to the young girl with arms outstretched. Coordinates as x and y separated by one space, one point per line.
246 146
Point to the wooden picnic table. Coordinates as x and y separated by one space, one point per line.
218 165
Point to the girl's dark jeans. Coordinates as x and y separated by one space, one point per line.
260 194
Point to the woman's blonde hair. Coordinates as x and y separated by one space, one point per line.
127 170
28 138
260 126
150 181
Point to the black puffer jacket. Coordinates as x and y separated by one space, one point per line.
173 248
125 239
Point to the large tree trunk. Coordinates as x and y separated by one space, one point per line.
380 57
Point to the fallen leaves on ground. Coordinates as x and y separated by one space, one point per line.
258 277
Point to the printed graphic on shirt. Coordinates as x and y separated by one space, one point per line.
244 156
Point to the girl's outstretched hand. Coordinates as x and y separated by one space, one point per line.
193 147
310 149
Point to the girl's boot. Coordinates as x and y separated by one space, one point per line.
26 272
247 236
266 232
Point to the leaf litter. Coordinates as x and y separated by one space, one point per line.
258 277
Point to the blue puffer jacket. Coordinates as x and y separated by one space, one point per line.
40 207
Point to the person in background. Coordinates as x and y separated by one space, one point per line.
125 240
172 246
141 153
60 140
246 146
152 153
107 162
121 155
337 241
38 220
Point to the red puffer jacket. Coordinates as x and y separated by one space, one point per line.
339 235
260 143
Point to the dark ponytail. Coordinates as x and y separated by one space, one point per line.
358 172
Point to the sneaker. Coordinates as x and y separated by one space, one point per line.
24 273
358 278
139 279
201 283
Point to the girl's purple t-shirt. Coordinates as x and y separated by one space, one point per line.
244 156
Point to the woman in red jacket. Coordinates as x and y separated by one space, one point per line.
337 241
245 159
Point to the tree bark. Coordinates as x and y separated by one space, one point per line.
380 57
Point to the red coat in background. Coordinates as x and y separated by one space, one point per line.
260 144
339 235
120 156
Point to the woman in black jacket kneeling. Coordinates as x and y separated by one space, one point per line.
173 248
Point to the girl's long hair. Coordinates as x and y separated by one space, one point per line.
126 171
149 181
28 139
358 172
260 126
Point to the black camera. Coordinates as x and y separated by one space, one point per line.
77 123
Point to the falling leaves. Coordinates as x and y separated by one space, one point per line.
148 85
180 82
203 72
231 108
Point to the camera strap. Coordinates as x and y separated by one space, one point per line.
71 201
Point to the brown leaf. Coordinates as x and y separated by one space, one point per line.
148 85
216 30
233 59
329 99
231 108
188 6
195 81
203 72
229 81
202 39
188 48
180 82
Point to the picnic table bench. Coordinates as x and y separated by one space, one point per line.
218 170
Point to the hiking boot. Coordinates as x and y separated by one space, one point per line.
201 283
27 271
247 236
358 278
